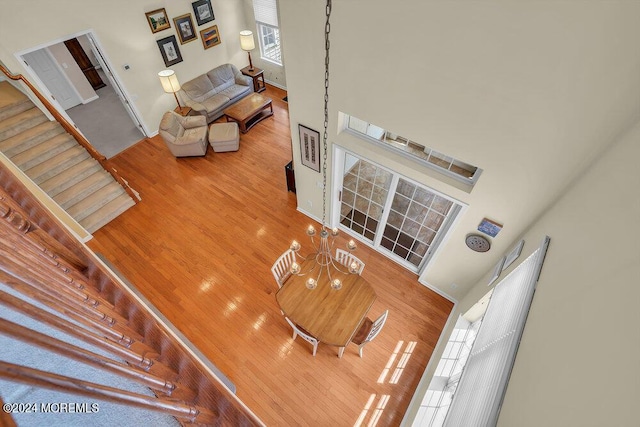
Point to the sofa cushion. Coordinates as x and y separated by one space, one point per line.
215 102
199 88
222 77
233 91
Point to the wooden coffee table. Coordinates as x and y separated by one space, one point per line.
249 111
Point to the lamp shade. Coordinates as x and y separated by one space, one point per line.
246 40
169 81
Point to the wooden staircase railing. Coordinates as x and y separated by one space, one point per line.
104 162
43 263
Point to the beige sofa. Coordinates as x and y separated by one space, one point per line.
185 136
209 94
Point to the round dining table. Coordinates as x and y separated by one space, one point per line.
333 316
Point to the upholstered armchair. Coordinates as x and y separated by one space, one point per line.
185 136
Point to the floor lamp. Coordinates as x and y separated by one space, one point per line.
170 84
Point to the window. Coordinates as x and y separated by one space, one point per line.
471 378
266 13
440 162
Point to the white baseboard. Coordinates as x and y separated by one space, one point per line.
279 86
313 217
93 98
438 291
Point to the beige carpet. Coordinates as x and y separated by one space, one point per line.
105 122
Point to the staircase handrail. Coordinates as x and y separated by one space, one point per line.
104 162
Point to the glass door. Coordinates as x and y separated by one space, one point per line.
365 188
397 216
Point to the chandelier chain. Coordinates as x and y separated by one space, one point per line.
327 30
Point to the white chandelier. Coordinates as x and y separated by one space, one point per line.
323 259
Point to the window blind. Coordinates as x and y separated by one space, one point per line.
266 12
478 397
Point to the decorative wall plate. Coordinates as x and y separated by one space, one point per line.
478 243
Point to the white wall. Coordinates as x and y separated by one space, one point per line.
122 29
577 364
528 91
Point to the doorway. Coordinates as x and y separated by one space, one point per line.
400 218
75 74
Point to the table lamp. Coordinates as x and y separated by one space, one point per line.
247 44
170 83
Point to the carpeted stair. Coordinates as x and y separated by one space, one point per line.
53 159
90 411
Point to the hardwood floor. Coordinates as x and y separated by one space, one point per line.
200 246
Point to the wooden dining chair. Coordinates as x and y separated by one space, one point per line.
368 331
345 258
281 268
303 334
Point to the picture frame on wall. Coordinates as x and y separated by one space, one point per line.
158 20
185 29
210 36
169 50
203 11
513 254
496 271
310 147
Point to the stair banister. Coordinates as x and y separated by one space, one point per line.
73 132
65 384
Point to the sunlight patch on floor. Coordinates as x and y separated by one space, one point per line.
389 364
379 409
365 411
408 351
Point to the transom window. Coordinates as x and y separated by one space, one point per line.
438 161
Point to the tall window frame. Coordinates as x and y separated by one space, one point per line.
266 15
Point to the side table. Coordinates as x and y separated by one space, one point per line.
183 111
257 74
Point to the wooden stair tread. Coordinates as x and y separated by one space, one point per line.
9 95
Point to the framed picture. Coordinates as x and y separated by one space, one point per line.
310 147
210 36
203 11
169 50
496 271
185 29
513 254
158 20
490 228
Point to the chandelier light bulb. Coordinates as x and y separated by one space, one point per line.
351 245
336 284
295 246
311 231
311 283
353 268
295 268
334 231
